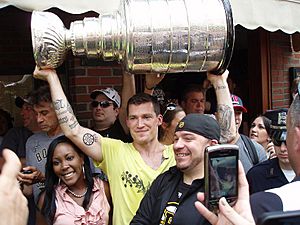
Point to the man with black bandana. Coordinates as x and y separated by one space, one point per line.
171 197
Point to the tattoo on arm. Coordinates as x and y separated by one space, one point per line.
74 124
88 139
225 116
58 104
222 87
69 108
63 120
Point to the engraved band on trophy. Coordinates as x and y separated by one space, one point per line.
164 36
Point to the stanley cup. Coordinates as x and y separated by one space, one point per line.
164 36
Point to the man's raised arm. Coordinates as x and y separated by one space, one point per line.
225 112
87 140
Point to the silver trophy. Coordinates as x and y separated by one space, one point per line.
163 36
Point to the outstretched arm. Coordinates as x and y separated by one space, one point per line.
225 113
128 91
87 140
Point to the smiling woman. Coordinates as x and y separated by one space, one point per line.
70 184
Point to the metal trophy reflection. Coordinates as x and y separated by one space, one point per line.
147 36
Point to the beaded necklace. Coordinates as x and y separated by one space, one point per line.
76 195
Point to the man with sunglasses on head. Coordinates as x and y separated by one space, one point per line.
277 171
105 106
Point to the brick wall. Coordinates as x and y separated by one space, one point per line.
282 58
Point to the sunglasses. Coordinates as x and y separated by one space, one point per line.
278 142
103 104
170 107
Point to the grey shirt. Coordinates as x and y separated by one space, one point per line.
36 155
245 156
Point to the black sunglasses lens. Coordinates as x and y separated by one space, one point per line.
94 104
278 142
104 104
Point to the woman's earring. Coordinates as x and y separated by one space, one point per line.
83 171
58 181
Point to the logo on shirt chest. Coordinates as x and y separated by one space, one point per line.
133 181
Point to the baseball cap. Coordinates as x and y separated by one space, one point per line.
110 93
278 123
19 101
238 103
201 124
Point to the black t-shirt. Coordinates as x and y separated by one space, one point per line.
116 131
173 203
15 140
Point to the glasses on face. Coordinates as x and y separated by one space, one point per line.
103 104
170 107
278 142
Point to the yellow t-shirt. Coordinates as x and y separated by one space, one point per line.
129 176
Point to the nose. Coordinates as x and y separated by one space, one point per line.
283 147
39 118
140 122
64 165
178 144
254 129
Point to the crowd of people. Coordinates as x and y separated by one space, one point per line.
141 161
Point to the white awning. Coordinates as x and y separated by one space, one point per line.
272 15
70 6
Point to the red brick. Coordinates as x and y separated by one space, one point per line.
82 98
99 72
111 80
278 97
86 80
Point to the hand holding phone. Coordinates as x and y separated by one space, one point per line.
221 174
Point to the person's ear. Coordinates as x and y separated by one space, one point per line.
117 111
214 142
160 119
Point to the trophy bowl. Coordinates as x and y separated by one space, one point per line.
48 39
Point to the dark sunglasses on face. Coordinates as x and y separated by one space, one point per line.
170 107
103 104
278 142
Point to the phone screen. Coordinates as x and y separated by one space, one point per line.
223 177
221 174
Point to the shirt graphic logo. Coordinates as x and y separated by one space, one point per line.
131 181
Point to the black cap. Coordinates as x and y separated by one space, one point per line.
278 123
19 101
201 124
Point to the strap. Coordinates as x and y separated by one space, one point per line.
251 149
